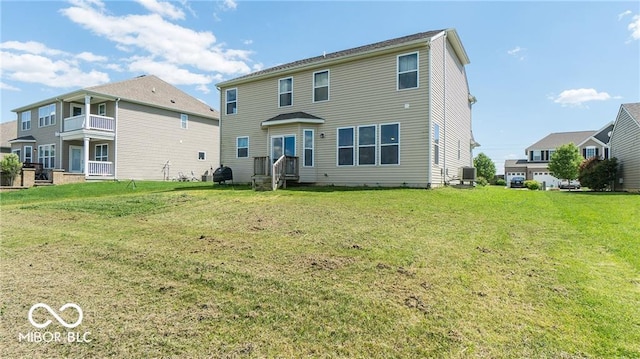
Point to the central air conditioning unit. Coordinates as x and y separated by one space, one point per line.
467 174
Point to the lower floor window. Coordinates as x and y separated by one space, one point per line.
102 152
242 147
390 144
308 148
202 155
28 154
47 155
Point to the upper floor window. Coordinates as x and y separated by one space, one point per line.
25 119
102 109
285 92
321 86
408 71
47 115
231 98
184 119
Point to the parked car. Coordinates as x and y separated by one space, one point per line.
564 184
517 182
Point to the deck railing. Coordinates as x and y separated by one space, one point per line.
261 166
96 122
100 168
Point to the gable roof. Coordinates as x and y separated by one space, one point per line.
293 117
557 139
356 52
147 90
633 109
604 134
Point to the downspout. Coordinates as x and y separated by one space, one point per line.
444 109
429 122
115 142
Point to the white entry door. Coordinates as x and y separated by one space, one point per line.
76 159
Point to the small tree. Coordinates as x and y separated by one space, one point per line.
484 166
597 174
565 161
10 167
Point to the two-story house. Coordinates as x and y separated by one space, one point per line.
141 128
625 146
536 165
392 113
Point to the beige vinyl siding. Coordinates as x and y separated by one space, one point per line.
437 106
44 135
625 146
148 137
361 93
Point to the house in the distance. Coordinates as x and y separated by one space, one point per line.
142 128
536 165
392 113
625 146
7 132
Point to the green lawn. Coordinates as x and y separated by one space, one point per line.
195 271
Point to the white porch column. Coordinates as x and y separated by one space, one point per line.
86 156
87 110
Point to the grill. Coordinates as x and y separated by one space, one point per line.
222 174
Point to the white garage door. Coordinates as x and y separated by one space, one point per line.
510 175
551 181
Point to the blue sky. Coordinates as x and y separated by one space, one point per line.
536 67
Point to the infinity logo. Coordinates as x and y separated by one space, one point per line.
55 315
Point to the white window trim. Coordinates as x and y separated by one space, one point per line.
40 151
282 93
44 123
204 157
184 121
391 144
338 147
24 121
305 148
587 151
295 141
237 147
102 109
24 153
227 102
95 151
375 146
417 70
436 159
313 90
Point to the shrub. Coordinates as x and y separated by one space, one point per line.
501 182
532 185
482 181
597 174
10 167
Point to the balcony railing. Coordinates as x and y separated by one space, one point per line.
100 168
96 122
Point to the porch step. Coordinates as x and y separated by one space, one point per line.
38 183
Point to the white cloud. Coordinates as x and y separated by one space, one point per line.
247 42
31 47
577 97
229 5
178 45
168 72
34 62
623 14
89 57
164 9
517 52
634 27
8 87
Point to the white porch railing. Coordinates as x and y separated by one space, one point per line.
96 122
277 172
100 168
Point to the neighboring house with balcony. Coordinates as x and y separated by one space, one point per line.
536 165
625 146
392 113
141 128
